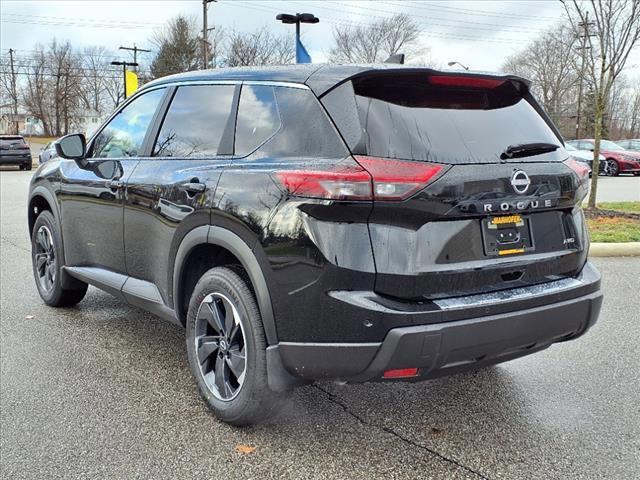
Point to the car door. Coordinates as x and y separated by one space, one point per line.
171 192
91 193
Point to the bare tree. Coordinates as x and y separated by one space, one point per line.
616 30
260 47
95 75
375 42
549 63
36 97
9 93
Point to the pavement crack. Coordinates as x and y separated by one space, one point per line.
13 244
336 400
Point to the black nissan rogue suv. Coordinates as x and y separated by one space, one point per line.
361 223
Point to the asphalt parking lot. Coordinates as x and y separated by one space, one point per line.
103 390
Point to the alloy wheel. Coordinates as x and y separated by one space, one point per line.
611 168
220 346
45 259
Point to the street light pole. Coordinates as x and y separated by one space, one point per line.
124 74
298 18
451 64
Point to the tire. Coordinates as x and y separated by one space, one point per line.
21 167
611 168
28 166
46 252
239 395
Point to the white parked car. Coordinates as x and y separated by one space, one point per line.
585 156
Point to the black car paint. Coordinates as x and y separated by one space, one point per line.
133 224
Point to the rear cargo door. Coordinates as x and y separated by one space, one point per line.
501 210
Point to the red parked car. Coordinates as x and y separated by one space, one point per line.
618 160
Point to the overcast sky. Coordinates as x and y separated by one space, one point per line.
480 33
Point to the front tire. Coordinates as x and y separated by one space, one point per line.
226 348
27 166
46 255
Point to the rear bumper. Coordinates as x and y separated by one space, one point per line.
14 160
452 346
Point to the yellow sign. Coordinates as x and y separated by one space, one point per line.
130 83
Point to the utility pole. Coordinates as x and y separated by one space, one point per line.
205 34
135 51
14 93
583 48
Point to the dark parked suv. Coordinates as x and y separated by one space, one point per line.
359 223
14 150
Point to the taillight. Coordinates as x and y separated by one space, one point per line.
582 171
342 182
370 178
580 168
398 179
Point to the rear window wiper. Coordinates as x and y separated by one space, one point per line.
527 150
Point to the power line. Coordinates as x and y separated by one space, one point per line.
81 19
77 24
469 11
351 23
484 26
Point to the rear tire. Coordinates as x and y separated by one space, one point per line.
28 166
611 168
226 347
46 255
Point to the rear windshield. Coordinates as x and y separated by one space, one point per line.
411 117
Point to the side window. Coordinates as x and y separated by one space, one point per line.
258 118
124 134
195 121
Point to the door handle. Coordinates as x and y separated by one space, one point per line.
194 186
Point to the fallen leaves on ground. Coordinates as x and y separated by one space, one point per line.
245 449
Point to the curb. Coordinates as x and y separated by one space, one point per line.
629 249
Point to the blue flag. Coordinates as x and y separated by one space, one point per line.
302 56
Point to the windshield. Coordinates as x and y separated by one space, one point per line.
570 148
609 145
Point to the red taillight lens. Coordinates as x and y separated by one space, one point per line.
343 182
582 171
398 179
465 81
401 373
371 178
580 168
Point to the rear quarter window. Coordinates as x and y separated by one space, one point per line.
301 129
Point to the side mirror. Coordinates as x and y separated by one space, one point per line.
72 147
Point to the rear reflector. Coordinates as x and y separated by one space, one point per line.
401 373
465 81
398 179
371 178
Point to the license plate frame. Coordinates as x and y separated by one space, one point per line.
507 235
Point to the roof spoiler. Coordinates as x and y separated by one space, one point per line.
397 58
